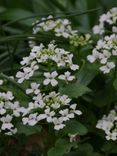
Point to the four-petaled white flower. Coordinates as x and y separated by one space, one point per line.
106 68
73 109
66 114
50 78
30 120
34 88
67 76
6 122
58 123
47 115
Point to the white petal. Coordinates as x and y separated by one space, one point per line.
54 82
46 81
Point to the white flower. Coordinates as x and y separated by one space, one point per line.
30 120
11 132
73 107
25 61
65 100
66 115
9 96
109 18
6 122
58 123
95 55
72 137
104 56
114 29
106 68
112 136
105 50
50 78
27 72
16 108
47 115
98 29
34 89
2 109
74 67
67 76
25 75
108 124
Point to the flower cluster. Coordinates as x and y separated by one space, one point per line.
40 55
109 19
105 52
109 125
60 28
52 108
9 110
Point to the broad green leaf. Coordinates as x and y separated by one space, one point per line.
62 146
110 147
28 130
74 127
87 73
75 90
17 14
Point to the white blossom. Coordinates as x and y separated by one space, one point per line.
30 120
34 88
6 122
58 123
109 18
105 50
67 76
109 125
50 78
106 68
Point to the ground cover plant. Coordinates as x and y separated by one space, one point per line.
58 78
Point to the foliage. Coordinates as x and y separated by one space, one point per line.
86 86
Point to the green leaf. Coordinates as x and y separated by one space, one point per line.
62 146
110 147
87 73
17 14
28 130
74 127
75 90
